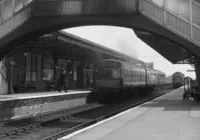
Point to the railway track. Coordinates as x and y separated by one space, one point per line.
17 127
52 128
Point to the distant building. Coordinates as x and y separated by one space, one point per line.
169 79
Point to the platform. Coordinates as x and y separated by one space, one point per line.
165 118
31 104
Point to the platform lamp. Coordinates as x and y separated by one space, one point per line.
25 53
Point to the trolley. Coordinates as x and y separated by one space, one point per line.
189 88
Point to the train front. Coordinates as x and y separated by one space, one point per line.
107 76
177 79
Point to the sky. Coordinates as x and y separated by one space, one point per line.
124 40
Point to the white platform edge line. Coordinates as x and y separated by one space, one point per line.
40 96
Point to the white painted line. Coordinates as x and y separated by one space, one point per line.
103 121
38 95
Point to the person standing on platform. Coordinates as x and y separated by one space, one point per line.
63 77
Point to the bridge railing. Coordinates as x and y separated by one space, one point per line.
13 13
180 16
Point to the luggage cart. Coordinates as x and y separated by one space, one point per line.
189 88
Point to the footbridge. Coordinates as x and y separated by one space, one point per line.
171 27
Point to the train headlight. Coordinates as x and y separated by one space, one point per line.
116 74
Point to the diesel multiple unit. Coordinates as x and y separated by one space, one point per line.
115 75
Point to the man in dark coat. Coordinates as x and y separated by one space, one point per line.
63 77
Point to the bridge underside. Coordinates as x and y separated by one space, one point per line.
173 32
159 38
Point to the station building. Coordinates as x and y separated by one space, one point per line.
35 66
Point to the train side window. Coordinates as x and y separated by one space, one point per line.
131 73
139 74
135 74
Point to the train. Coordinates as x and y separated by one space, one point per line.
117 76
178 79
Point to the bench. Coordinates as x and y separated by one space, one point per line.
31 86
51 85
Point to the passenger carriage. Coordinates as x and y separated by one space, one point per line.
114 77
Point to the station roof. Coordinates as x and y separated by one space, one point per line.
77 48
72 39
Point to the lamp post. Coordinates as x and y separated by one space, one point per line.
10 87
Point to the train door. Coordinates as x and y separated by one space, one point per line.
79 77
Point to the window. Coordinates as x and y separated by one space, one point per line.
48 67
39 67
33 67
28 67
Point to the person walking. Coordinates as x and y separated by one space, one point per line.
63 77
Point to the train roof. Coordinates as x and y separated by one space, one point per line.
110 60
156 71
135 65
178 74
122 62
